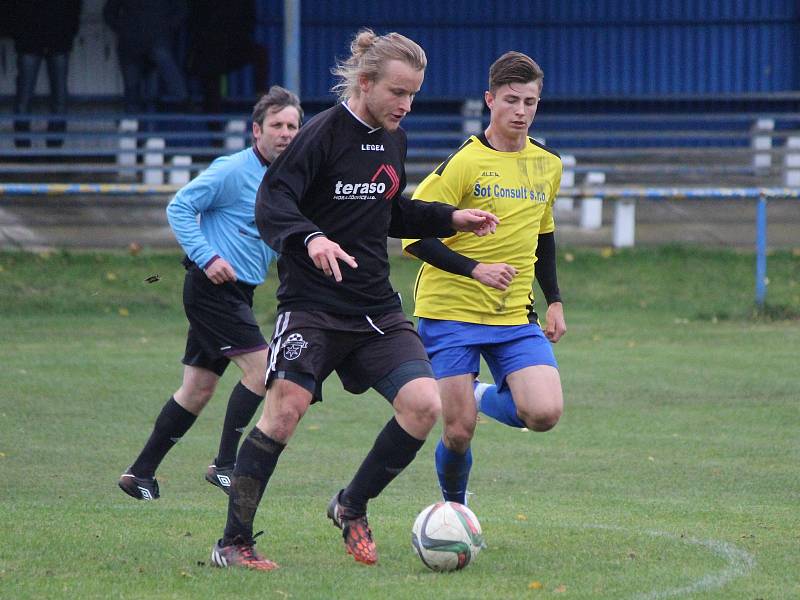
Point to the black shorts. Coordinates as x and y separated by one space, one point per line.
221 321
383 351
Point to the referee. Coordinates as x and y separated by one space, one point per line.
213 219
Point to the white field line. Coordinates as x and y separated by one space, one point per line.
740 563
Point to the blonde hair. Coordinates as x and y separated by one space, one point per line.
369 54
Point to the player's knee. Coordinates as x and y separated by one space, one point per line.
255 382
541 419
427 409
457 437
194 398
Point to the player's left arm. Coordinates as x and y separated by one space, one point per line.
436 253
555 325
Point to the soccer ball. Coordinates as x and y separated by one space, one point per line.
447 536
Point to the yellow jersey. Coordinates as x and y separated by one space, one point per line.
520 188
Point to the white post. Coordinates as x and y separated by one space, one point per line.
126 157
180 176
567 181
762 143
234 135
472 111
592 207
154 161
791 162
624 223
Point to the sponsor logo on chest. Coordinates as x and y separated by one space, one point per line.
384 181
496 190
372 147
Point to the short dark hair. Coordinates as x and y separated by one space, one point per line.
276 99
514 67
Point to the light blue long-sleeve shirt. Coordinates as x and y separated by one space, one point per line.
223 196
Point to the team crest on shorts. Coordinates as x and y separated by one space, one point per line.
293 346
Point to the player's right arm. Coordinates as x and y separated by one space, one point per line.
203 193
280 222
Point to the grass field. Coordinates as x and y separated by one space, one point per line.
675 471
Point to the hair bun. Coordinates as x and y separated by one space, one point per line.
363 42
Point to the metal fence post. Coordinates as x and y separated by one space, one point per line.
180 176
791 162
472 113
126 157
154 161
761 251
592 207
624 223
234 135
567 181
762 143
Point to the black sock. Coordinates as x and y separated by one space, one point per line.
254 466
171 424
242 406
393 451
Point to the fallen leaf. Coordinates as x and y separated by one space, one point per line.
313 428
123 312
521 517
569 257
535 585
111 276
134 248
651 459
607 252
560 589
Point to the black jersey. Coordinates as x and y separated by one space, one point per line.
342 178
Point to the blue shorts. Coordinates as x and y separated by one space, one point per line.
455 348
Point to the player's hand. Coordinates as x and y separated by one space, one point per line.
495 275
475 220
555 326
326 256
220 271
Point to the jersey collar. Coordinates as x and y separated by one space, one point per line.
360 120
264 162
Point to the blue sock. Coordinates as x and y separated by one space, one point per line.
453 471
500 406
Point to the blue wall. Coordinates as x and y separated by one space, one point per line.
586 47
